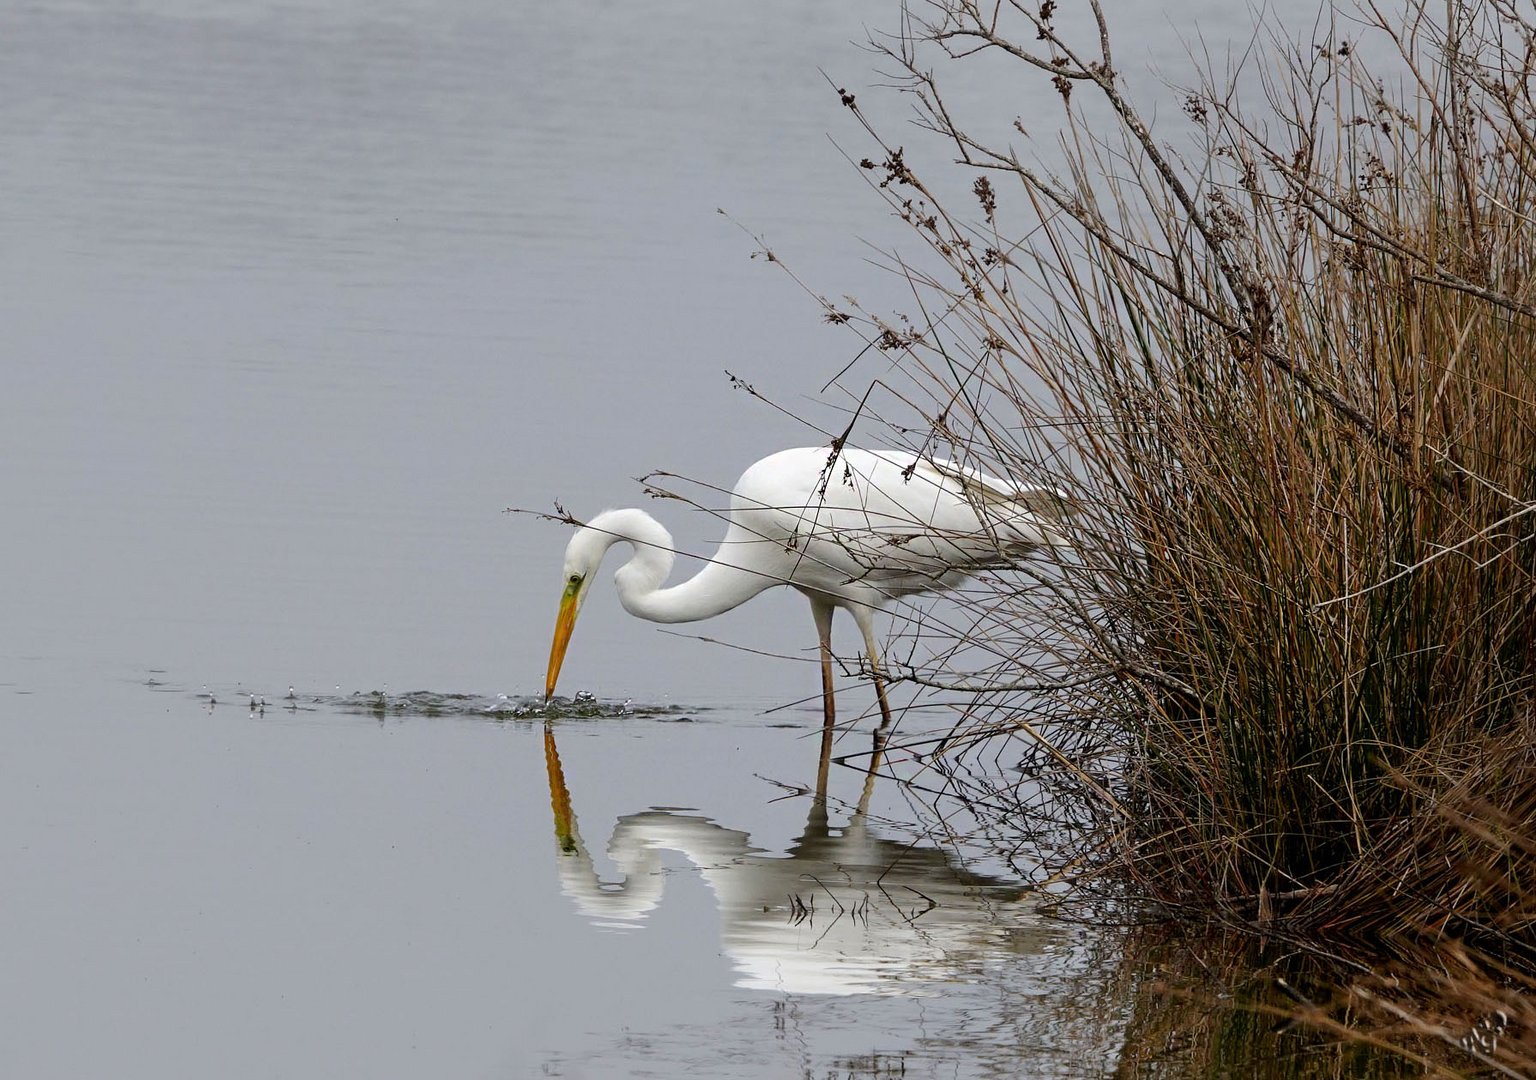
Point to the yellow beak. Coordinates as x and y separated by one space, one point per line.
565 622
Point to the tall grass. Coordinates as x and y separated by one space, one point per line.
1281 356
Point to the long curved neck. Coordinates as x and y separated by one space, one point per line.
717 588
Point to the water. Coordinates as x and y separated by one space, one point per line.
296 298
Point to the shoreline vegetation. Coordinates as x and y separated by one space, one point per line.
1280 352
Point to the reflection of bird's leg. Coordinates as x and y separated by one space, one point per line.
876 753
866 621
822 611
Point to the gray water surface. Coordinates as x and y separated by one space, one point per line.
295 299
199 890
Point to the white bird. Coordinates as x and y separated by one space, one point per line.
851 529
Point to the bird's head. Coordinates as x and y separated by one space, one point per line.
582 558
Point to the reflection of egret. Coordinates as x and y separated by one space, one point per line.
844 911
848 528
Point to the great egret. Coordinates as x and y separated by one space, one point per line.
851 529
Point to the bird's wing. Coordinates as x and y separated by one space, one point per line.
884 519
996 521
989 490
901 514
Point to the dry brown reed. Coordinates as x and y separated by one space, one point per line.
1281 357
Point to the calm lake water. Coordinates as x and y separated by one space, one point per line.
295 299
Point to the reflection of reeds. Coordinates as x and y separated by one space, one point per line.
1210 1006
1289 379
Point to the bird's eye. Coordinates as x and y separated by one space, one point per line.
574 579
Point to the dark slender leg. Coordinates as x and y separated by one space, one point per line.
823 614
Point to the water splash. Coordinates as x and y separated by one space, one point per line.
583 705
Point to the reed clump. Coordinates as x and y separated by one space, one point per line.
1281 356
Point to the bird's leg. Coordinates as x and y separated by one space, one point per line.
866 621
882 733
822 611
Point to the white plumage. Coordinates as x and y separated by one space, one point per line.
848 528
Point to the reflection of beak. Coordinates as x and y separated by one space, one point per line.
565 622
560 797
